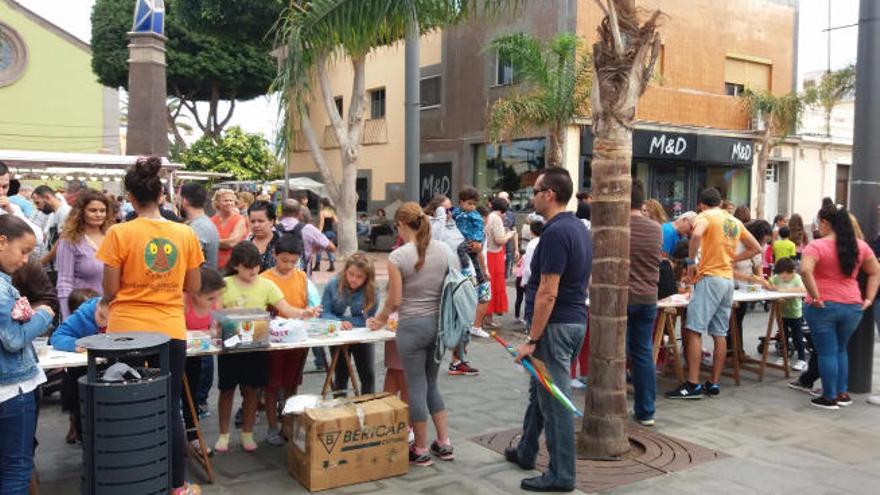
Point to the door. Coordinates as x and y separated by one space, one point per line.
842 189
361 187
669 186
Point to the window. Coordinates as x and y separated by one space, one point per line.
377 103
504 69
841 195
733 89
430 91
510 167
13 56
338 101
742 72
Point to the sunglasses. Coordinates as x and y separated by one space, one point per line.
538 190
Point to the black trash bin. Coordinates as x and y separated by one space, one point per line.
126 425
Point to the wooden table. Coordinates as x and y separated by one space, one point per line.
340 341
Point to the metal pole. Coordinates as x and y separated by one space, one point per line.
412 132
865 185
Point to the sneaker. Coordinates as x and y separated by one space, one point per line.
423 460
444 452
796 385
644 422
799 365
824 403
686 391
490 324
577 384
194 444
248 444
274 438
521 321
222 444
202 411
874 400
816 392
844 400
712 389
462 368
479 332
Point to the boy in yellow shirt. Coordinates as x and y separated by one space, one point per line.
784 247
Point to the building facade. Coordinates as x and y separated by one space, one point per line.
50 98
692 131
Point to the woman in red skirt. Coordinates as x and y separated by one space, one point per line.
496 238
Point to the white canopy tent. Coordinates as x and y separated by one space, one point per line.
303 184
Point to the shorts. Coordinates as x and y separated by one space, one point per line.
484 289
709 309
286 369
248 369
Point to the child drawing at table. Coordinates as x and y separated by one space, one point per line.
197 312
246 289
20 375
84 320
286 367
351 298
786 280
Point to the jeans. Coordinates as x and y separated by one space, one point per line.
18 422
640 349
331 236
831 328
364 356
206 380
557 348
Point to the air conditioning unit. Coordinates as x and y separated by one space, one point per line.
758 123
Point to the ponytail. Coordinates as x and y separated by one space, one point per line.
845 237
411 215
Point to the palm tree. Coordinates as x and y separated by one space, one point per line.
624 58
312 33
833 87
554 87
777 117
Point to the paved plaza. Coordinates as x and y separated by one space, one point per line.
776 443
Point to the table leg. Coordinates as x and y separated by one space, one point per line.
331 368
201 454
659 331
768 341
733 329
354 383
786 362
673 340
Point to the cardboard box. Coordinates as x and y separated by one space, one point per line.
363 439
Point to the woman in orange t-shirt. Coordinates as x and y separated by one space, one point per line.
148 263
231 225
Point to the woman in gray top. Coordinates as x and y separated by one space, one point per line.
416 271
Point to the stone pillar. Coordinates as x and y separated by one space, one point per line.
147 111
571 155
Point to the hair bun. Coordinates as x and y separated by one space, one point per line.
149 166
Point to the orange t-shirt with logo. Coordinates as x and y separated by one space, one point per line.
718 245
154 257
294 286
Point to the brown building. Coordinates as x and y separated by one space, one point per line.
691 132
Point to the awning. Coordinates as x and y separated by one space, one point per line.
35 160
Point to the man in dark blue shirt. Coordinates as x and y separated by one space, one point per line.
557 311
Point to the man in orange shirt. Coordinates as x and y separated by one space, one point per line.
715 237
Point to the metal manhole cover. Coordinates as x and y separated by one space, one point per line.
653 454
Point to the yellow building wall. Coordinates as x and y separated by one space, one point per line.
57 105
384 68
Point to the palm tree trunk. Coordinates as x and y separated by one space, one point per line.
554 148
604 425
761 173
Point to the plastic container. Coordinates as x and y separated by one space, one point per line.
241 328
198 341
322 328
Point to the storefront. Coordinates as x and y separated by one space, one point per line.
511 167
675 166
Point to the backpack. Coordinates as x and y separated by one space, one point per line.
296 231
458 305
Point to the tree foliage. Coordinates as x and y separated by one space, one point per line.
832 88
207 60
781 114
554 82
245 155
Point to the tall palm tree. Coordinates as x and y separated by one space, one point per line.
311 34
553 87
624 58
833 87
778 116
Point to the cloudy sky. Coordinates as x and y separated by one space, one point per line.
259 115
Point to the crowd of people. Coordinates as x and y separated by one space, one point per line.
79 262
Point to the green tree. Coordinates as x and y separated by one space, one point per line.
777 116
206 63
554 81
832 88
311 34
624 58
246 156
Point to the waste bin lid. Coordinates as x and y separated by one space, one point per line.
122 342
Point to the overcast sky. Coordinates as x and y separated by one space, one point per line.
259 115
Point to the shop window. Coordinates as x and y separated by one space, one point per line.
842 189
732 183
377 103
430 91
503 69
742 72
337 100
510 167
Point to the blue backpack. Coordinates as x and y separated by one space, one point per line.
458 305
